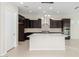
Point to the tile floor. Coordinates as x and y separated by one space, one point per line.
72 50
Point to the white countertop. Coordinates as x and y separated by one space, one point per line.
26 30
47 34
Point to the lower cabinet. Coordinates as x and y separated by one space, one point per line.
21 32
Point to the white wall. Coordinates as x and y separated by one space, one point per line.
74 25
8 26
2 41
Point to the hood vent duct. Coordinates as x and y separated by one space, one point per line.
47 2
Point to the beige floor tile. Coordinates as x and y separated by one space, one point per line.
72 50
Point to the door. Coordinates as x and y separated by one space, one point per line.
10 29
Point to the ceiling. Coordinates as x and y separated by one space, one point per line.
57 8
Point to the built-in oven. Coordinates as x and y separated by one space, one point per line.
66 31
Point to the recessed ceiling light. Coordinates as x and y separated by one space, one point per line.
39 7
50 7
30 11
21 3
49 15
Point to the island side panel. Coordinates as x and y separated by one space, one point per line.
47 42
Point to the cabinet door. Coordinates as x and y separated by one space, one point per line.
55 24
66 22
59 24
39 23
21 32
30 23
35 23
26 23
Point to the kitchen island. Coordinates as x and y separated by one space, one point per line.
47 41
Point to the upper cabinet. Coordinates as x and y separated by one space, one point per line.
55 23
21 19
26 23
66 22
32 23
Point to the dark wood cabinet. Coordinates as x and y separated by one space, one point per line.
55 23
66 28
36 24
21 32
26 23
66 22
33 23
21 28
